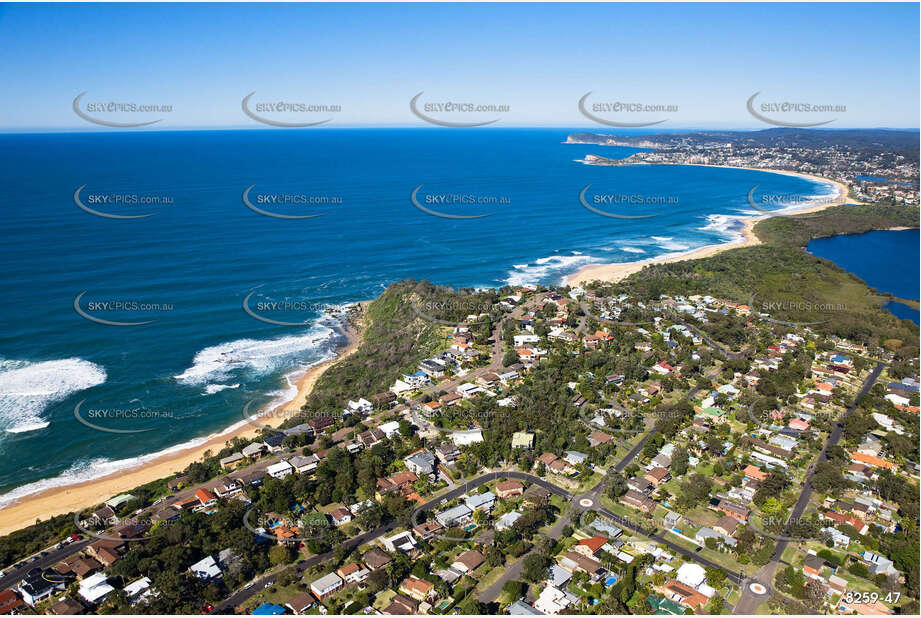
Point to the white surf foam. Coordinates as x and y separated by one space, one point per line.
210 389
27 389
216 363
545 267
670 245
632 250
727 225
90 469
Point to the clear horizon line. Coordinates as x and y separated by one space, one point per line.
649 130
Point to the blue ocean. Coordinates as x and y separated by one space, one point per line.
884 259
127 258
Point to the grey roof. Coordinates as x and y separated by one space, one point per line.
231 458
610 530
448 517
558 576
298 429
299 461
477 500
326 581
520 608
423 459
252 449
706 533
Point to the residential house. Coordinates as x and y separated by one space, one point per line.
205 498
353 573
464 438
78 565
421 463
481 502
228 487
468 561
95 588
418 589
553 600
640 485
107 551
574 561
812 565
274 441
401 605
591 546
598 438
726 525
657 476
683 594
306 464
846 518
878 564
536 495
754 473
402 541
231 460
447 453
507 489
206 569
10 603
65 607
280 470
507 521
427 530
734 510
326 585
870 460
400 482
251 478
341 516
35 587
638 501
301 603
523 439
139 590
376 559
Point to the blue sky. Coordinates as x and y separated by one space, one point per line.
539 59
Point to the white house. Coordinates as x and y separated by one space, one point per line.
484 501
280 470
402 541
508 520
138 590
390 429
362 406
206 569
522 340
554 601
326 585
95 588
400 387
463 438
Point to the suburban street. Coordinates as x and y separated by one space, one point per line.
750 601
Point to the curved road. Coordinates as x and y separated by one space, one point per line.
749 601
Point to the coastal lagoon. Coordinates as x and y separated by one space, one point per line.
142 318
885 259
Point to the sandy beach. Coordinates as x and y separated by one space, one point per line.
68 498
619 271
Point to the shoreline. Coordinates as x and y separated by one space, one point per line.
621 270
63 499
